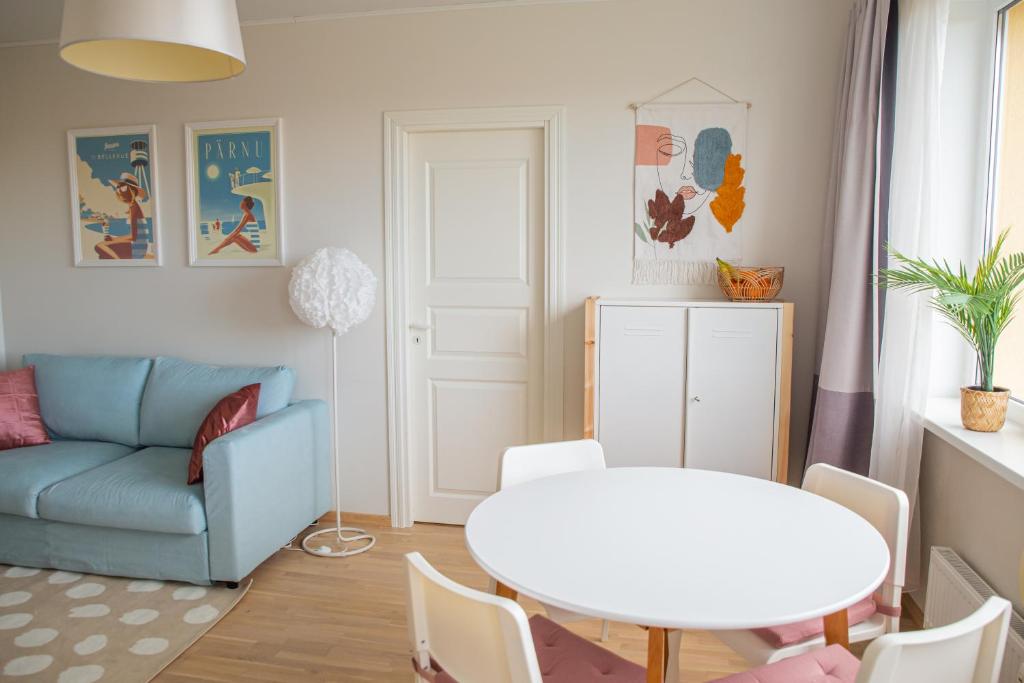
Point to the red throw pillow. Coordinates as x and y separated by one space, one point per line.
231 412
20 421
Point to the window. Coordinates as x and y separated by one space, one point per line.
1006 199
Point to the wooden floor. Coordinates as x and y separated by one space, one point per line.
314 619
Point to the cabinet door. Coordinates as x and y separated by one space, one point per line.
641 385
730 390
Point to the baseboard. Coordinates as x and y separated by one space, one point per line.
912 610
350 518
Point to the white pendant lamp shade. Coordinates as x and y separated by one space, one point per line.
153 40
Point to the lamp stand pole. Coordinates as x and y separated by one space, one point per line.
357 534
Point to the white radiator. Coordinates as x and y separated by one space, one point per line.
955 591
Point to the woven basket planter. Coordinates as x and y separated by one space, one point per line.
983 411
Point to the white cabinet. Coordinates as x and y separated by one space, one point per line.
731 389
701 384
641 401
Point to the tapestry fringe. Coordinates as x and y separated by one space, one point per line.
666 272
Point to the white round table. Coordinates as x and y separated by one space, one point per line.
677 548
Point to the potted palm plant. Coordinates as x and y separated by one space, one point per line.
979 307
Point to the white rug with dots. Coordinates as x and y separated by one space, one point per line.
80 628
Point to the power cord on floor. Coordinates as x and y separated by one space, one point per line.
291 544
358 535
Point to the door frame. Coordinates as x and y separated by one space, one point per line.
398 126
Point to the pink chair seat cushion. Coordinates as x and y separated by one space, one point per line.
833 664
565 657
787 634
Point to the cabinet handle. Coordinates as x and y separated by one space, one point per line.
696 399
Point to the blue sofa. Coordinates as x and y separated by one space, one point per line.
108 495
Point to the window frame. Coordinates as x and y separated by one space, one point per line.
1000 9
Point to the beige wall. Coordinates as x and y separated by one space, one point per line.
331 81
980 515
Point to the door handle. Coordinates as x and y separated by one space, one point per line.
696 399
419 327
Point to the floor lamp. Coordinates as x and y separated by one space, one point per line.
333 288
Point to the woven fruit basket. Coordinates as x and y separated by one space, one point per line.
749 283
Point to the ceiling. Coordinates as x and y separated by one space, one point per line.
39 20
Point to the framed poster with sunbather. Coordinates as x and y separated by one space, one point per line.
234 193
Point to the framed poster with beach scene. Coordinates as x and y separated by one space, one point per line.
113 196
234 193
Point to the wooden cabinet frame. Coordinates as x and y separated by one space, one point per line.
784 366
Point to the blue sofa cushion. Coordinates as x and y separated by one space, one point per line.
144 491
179 394
25 472
91 398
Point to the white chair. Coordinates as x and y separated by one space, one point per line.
520 464
888 510
460 635
969 651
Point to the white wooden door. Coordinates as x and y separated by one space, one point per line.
475 304
641 385
730 390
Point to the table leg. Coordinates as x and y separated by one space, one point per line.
837 629
673 641
657 651
503 591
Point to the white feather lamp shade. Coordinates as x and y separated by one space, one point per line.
332 288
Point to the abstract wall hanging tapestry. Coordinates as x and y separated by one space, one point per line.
113 196
688 191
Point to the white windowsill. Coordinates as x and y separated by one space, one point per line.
1002 451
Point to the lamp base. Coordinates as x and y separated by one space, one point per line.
325 551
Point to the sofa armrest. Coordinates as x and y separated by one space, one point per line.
264 483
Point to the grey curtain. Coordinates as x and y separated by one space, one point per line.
848 315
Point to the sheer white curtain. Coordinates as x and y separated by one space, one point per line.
915 192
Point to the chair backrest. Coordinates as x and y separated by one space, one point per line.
885 508
472 635
969 651
525 463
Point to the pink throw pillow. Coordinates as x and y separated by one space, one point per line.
231 412
20 421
